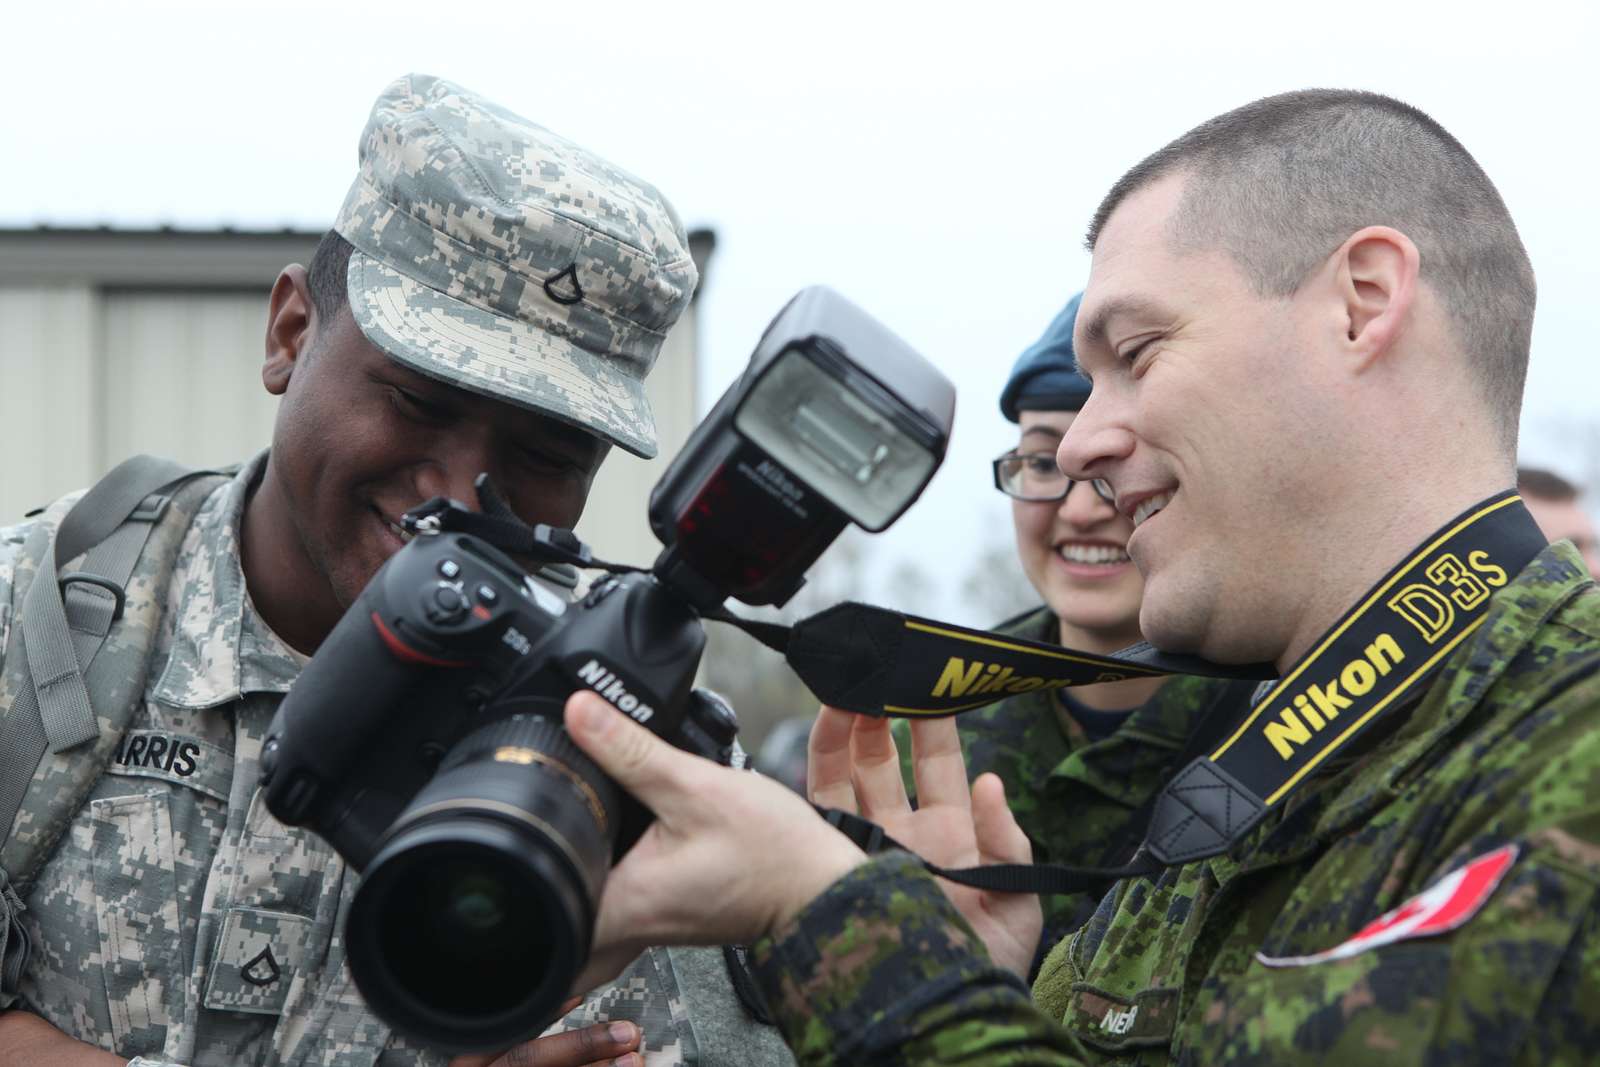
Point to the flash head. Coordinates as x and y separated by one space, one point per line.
835 420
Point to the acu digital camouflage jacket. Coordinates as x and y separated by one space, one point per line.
180 923
1272 954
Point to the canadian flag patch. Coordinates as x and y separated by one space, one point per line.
1451 901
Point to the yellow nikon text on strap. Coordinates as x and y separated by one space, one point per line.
1377 658
1379 652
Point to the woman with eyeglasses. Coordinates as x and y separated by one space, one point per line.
1081 766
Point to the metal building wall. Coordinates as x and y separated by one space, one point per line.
94 367
48 393
180 376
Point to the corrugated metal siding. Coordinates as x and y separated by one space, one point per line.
90 377
47 395
181 376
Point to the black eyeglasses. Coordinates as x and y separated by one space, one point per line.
1035 476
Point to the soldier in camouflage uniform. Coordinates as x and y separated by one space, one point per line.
1080 765
491 298
1307 325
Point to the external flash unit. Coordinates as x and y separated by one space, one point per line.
835 420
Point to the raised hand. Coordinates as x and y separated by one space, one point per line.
853 765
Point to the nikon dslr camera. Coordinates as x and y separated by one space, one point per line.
424 740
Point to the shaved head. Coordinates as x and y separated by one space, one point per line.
1279 185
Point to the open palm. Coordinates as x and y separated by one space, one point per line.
853 765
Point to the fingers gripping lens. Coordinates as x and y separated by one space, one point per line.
1035 476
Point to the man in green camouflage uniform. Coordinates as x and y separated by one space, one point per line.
1307 325
1081 766
491 298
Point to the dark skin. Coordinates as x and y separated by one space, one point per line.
359 440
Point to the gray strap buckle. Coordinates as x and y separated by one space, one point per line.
150 509
85 578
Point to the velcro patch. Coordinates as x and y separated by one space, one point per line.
1449 903
174 757
1111 1022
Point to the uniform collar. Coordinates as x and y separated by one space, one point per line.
221 648
1119 766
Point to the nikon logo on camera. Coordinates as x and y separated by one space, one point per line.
605 682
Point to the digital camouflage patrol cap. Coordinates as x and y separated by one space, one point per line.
495 256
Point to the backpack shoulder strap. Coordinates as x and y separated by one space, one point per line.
77 634
79 645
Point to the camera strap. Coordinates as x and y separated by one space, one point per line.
557 552
875 661
1377 658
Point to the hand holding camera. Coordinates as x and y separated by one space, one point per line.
730 858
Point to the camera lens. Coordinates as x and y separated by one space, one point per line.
474 918
477 904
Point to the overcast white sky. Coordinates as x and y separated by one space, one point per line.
936 163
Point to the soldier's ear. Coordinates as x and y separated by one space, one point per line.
1376 277
291 322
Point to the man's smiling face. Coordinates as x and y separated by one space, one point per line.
1203 419
361 439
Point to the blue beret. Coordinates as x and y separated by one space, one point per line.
1046 376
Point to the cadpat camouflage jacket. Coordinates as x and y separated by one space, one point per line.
1076 799
1432 902
180 923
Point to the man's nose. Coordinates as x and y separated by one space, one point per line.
1092 443
452 474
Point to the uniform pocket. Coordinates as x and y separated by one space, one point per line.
258 955
280 868
136 911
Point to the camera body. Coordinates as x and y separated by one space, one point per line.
424 742
450 635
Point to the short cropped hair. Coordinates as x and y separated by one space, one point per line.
326 275
1545 485
1281 183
